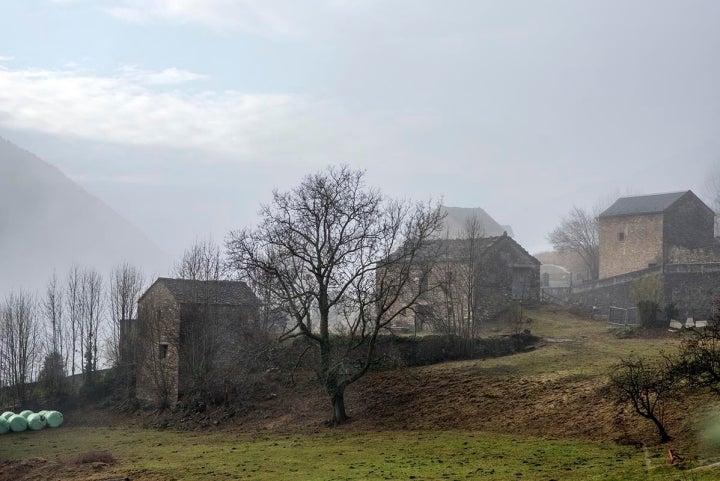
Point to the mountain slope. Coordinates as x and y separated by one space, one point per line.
48 222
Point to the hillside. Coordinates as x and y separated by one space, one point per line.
49 222
558 391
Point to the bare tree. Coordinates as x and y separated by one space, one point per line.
712 194
201 262
73 308
333 244
579 232
52 376
699 356
457 277
646 387
52 307
20 338
92 312
124 290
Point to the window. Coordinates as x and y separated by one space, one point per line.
162 350
621 236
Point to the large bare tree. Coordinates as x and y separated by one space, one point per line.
332 244
579 232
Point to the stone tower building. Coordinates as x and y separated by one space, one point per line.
654 230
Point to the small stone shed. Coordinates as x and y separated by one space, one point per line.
190 335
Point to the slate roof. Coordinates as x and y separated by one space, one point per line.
186 291
643 204
457 249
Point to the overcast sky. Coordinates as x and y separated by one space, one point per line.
183 115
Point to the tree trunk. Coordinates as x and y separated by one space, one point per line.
664 436
338 404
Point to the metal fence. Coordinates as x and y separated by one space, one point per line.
621 316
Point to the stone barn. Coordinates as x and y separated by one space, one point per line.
486 275
648 231
190 336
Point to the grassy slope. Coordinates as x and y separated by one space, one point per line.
538 415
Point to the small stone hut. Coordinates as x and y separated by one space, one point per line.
190 336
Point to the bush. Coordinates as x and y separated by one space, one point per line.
647 313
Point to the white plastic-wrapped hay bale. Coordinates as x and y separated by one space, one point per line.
35 422
6 415
4 425
54 419
26 413
17 423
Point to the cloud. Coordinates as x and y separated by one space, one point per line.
168 76
249 16
133 108
5 58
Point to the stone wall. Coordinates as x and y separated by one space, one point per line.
158 325
630 243
702 255
691 287
614 291
213 342
688 223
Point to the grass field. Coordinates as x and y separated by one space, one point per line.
539 415
331 455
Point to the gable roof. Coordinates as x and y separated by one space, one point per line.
643 204
188 291
457 249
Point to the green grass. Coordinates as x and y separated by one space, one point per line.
346 454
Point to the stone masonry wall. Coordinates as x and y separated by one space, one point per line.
630 243
691 287
702 255
688 223
158 323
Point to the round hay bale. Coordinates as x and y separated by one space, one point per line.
4 426
17 423
26 413
35 422
54 419
6 415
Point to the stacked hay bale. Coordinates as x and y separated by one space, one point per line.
11 422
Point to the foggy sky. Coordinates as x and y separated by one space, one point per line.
184 115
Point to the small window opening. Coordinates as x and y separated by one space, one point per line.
621 236
162 351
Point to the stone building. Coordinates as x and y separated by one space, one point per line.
190 336
669 237
642 232
486 275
